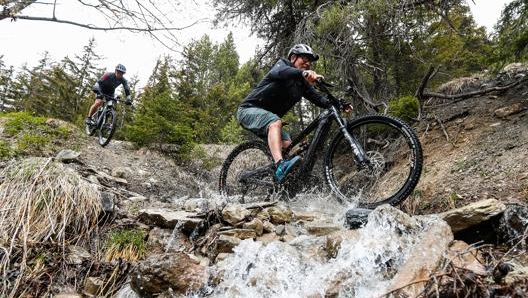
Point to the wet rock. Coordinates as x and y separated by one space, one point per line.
356 218
311 247
196 205
304 216
255 224
240 233
280 230
279 214
169 219
235 214
463 256
159 273
166 240
268 227
333 241
512 225
226 243
472 214
321 228
424 258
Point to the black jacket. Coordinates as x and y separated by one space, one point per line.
108 82
281 88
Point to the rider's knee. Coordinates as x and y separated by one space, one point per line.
276 124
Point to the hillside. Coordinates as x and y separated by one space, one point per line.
474 149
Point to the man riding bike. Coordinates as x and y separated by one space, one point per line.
288 81
107 84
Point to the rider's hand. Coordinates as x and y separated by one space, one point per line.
311 76
128 100
347 107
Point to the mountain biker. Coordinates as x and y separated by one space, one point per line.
288 81
107 84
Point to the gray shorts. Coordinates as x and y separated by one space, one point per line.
257 120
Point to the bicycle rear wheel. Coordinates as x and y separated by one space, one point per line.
248 174
395 166
107 127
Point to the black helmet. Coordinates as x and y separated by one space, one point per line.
121 68
303 49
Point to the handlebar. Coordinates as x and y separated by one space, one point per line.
324 86
106 96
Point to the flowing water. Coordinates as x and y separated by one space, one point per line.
363 266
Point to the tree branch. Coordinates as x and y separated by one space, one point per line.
94 27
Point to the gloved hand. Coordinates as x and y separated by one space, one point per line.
347 107
128 100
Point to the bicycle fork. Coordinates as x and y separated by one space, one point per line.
359 153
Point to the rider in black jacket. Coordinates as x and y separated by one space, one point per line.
288 81
107 84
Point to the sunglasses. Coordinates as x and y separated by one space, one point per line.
306 58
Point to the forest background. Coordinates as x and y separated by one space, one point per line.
384 47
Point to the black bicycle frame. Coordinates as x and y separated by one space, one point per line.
322 126
105 107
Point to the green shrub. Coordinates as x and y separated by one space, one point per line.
30 135
405 108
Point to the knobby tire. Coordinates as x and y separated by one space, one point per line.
396 158
247 173
108 127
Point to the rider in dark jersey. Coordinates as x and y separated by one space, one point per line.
106 85
288 81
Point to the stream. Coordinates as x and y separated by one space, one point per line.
363 265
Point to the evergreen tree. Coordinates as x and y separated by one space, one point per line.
511 38
161 118
204 81
6 82
84 72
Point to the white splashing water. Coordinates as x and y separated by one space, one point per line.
362 267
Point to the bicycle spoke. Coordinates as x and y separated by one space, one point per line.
393 166
248 173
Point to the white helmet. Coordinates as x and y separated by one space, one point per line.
121 68
303 49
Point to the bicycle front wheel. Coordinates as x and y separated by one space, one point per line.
247 173
394 162
107 127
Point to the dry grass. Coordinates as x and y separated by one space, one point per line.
42 202
461 85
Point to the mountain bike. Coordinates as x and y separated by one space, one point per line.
370 160
104 120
